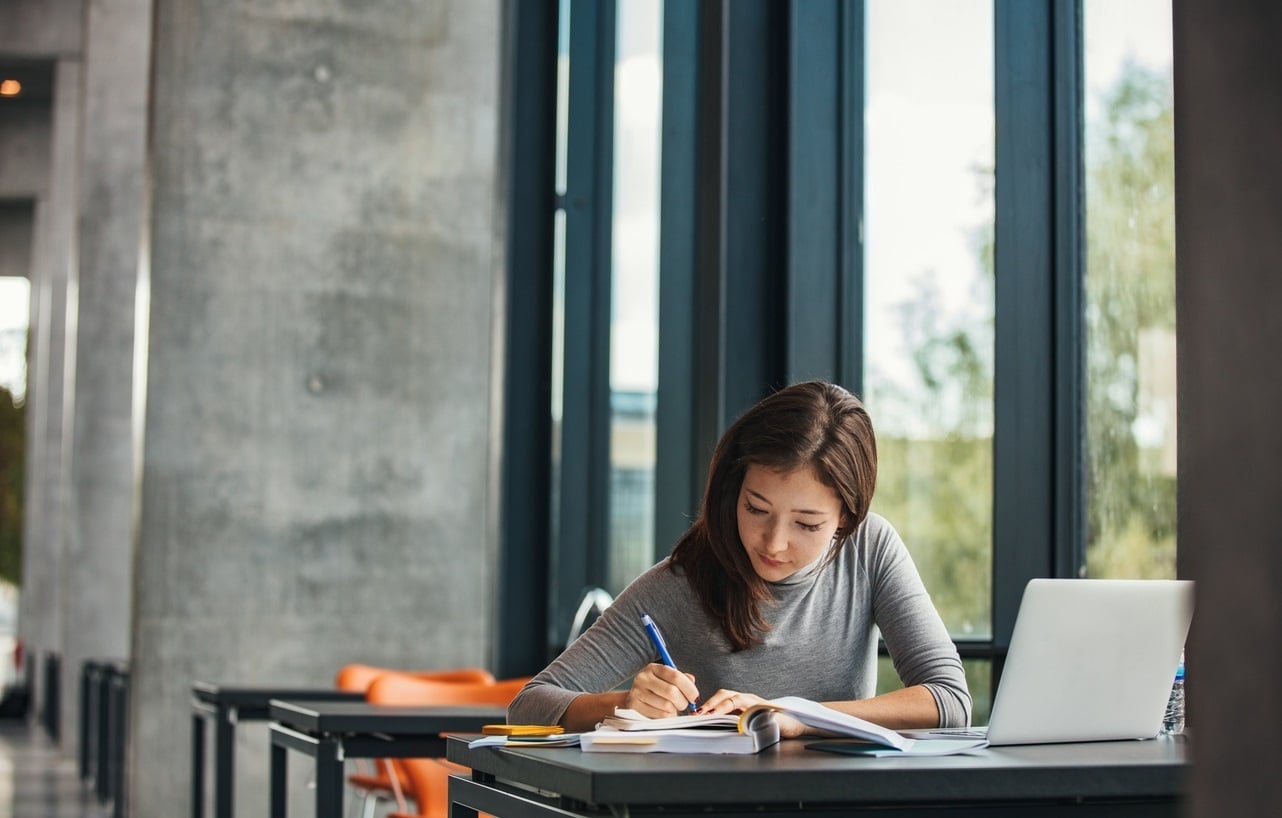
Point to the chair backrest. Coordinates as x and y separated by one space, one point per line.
593 604
411 689
358 677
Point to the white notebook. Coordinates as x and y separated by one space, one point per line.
726 735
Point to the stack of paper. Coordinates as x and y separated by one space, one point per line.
630 732
558 740
525 735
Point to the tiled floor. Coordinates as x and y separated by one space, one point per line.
36 781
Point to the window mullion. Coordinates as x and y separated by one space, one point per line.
816 221
678 458
1024 432
582 531
530 43
1069 207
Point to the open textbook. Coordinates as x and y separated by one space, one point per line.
748 732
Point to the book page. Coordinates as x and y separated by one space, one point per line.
626 719
820 717
810 713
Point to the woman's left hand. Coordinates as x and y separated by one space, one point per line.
731 701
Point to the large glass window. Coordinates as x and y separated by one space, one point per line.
15 293
604 286
1031 137
15 296
1130 289
634 370
928 232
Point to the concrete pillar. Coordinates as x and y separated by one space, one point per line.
53 256
315 484
97 578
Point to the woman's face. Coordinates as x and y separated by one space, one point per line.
786 520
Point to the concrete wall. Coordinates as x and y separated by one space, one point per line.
315 461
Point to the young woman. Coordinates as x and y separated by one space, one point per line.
779 588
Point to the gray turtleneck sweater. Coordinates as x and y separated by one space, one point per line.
822 644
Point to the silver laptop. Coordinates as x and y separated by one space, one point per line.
1090 660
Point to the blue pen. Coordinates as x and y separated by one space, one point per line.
653 632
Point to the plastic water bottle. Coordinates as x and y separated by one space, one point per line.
1173 721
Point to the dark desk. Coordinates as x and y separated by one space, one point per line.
227 705
333 731
1100 779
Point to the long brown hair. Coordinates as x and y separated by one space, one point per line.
814 425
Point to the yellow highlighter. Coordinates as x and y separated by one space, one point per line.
516 730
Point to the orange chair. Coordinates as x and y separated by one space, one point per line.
426 778
382 781
357 677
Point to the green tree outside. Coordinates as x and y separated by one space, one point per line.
1130 295
936 487
12 456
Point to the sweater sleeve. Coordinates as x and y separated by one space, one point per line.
608 653
922 651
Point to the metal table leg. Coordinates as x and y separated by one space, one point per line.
224 761
197 765
329 780
278 768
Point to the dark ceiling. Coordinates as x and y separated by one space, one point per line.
36 77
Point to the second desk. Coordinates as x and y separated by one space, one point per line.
333 731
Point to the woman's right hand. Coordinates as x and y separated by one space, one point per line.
659 691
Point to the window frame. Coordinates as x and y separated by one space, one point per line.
744 82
